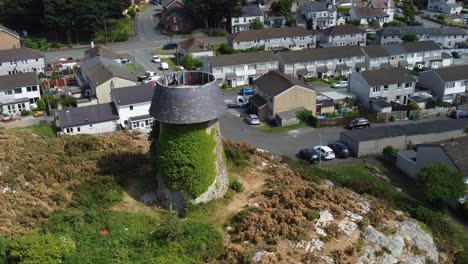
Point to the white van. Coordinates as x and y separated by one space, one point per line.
164 66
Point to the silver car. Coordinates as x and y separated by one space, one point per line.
253 120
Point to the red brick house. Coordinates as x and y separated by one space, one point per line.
177 18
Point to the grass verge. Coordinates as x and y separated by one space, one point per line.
274 130
133 68
163 52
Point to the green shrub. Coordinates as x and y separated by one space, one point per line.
45 130
390 150
226 49
25 113
79 145
312 214
40 104
304 116
185 158
236 186
97 193
3 249
237 157
34 248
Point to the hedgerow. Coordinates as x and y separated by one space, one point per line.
185 158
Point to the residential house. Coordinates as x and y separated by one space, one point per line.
344 35
177 18
9 39
323 14
274 38
447 83
241 69
19 60
98 76
453 153
333 61
133 105
386 6
18 92
248 14
446 37
377 57
101 51
344 3
367 15
382 86
449 7
91 119
422 54
277 22
195 47
279 96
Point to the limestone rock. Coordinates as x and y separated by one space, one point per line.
388 259
418 238
325 218
374 237
368 256
347 226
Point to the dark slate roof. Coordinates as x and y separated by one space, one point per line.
317 7
242 58
420 46
178 11
381 102
320 54
192 45
187 103
367 12
381 4
101 51
457 151
453 73
87 115
100 70
133 94
431 127
387 76
290 113
19 54
347 29
419 30
276 82
394 49
271 33
251 10
258 100
375 51
12 81
9 31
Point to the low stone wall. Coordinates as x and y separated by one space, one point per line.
427 113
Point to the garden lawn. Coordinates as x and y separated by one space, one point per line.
133 68
172 63
272 130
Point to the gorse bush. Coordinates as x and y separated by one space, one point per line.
236 186
185 158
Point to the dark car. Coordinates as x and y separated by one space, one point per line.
170 46
358 123
309 155
456 54
457 114
340 149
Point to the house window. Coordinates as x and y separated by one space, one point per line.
218 70
385 88
392 58
375 89
450 85
146 122
67 130
131 108
397 98
34 88
125 122
78 129
29 89
8 92
252 67
18 91
239 68
399 86
91 126
408 85
174 19
448 97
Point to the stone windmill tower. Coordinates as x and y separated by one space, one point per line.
188 153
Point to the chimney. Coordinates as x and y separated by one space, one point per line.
389 3
92 44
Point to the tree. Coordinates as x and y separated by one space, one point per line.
281 8
440 183
256 24
40 104
189 62
356 22
409 38
409 12
34 248
310 24
413 106
213 11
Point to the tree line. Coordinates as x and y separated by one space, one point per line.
62 20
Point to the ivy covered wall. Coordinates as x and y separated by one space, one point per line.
185 158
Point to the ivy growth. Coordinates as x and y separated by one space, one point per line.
185 158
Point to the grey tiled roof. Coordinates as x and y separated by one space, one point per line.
12 81
242 58
100 70
192 45
316 7
320 54
453 73
290 113
276 82
387 76
87 115
375 51
251 10
347 29
420 46
192 102
140 93
367 12
394 49
258 100
101 51
19 54
270 33
419 30
431 127
458 153
9 31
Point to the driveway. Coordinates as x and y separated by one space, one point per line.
26 121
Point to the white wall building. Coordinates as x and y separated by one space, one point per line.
133 105
366 15
446 37
446 83
20 60
18 92
322 14
450 7
249 13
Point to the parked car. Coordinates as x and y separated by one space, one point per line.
170 46
253 120
340 84
456 54
156 59
246 91
325 152
358 123
124 61
399 11
164 66
340 149
457 114
310 155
